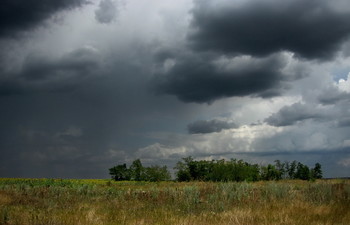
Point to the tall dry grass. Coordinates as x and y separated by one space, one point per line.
63 202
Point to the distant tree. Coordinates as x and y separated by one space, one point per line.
216 170
120 172
254 173
156 173
200 170
221 171
136 170
286 166
292 169
316 172
270 173
280 167
183 171
239 170
303 172
243 171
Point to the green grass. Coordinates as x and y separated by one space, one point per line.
61 202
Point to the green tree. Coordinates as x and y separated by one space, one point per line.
136 170
292 169
120 172
183 171
303 172
221 171
270 173
156 173
200 170
280 167
316 172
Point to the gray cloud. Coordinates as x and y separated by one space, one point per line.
106 12
43 73
209 126
310 29
292 114
67 115
194 78
344 121
23 15
332 96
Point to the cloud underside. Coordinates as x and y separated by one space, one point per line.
18 16
292 114
40 73
263 31
201 80
209 126
312 29
333 95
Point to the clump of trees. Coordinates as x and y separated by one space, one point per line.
216 170
137 172
237 170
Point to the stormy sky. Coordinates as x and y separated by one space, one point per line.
86 85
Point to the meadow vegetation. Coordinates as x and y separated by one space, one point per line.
68 202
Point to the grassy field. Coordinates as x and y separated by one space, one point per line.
61 202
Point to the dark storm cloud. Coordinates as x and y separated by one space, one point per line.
42 73
79 61
209 126
332 96
22 15
289 115
106 12
257 31
201 79
344 122
310 29
95 124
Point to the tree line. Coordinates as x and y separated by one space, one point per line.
137 172
238 170
217 170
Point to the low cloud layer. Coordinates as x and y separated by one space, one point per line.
209 126
333 95
200 79
41 73
290 115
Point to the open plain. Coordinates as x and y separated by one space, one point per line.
68 202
